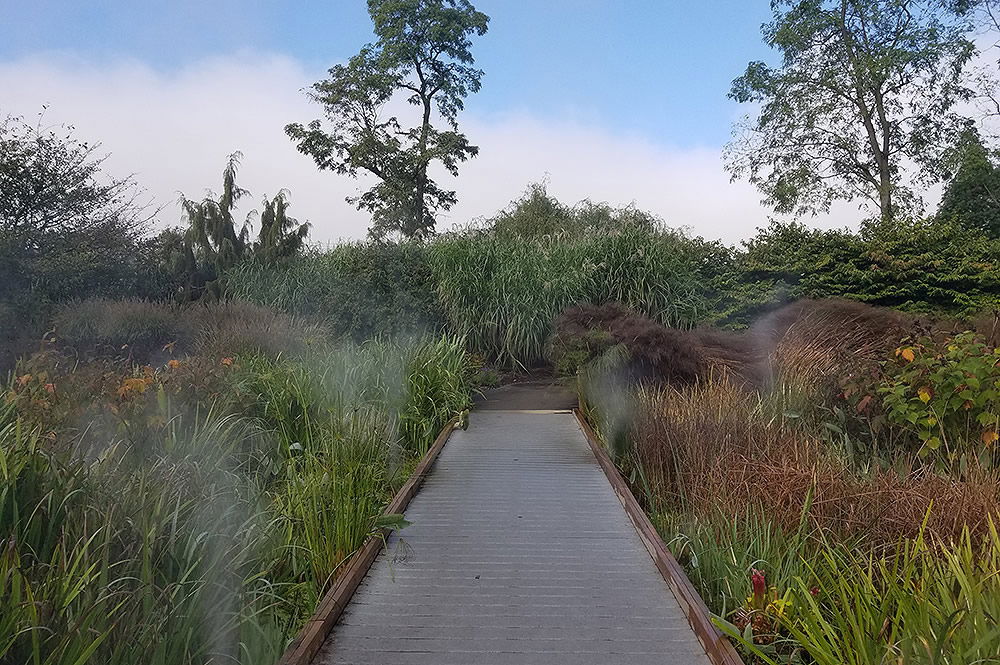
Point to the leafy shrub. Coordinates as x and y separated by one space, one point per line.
358 290
84 237
948 395
932 266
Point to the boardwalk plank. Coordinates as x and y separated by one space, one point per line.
520 553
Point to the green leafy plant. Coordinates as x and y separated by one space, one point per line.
947 393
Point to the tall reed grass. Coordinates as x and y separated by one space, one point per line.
207 532
502 291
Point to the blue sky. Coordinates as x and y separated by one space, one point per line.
660 69
621 102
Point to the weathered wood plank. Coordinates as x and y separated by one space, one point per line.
307 643
521 552
716 645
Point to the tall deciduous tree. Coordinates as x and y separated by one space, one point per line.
865 93
985 17
424 52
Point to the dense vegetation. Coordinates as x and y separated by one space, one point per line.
828 479
501 282
184 484
198 427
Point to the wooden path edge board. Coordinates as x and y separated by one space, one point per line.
307 643
718 648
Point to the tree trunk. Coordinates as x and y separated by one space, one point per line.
885 194
419 208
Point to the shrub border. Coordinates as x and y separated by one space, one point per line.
718 648
310 639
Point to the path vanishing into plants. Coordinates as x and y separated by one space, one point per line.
519 553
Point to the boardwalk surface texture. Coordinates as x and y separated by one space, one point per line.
519 553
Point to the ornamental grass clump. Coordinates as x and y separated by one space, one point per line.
503 283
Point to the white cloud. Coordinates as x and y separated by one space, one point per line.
174 130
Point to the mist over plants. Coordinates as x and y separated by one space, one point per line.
201 424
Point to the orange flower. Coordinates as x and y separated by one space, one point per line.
228 362
173 363
990 436
131 385
50 388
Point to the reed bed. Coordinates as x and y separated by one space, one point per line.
503 291
202 524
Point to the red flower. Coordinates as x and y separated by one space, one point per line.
759 584
814 591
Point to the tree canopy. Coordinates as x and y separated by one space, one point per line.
972 193
423 52
865 89
67 227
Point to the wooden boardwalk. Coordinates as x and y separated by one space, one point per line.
520 553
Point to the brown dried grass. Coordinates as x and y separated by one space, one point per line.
656 353
808 342
712 448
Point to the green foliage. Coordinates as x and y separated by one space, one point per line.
842 602
864 88
502 290
925 266
146 521
948 394
68 229
358 290
437 388
280 236
211 245
423 50
104 561
972 194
